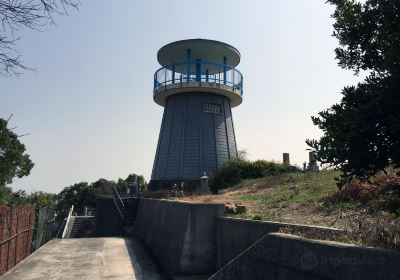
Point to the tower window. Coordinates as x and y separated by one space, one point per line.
212 108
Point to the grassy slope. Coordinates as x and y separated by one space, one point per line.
293 197
303 198
295 188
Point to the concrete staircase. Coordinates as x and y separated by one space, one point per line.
75 225
78 221
127 206
128 213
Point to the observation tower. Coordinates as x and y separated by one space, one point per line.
197 86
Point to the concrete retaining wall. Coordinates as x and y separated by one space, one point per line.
281 256
190 239
180 235
108 220
236 235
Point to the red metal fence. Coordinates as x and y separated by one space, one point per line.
16 232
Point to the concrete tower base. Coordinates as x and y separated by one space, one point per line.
196 136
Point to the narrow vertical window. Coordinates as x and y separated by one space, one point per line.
212 108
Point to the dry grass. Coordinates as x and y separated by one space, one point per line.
306 198
292 198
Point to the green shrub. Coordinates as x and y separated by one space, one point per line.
230 173
262 168
233 171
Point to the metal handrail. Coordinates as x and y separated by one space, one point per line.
116 203
179 73
119 197
61 228
67 223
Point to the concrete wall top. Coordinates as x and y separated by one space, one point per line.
186 202
280 224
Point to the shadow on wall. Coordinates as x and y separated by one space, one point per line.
108 220
282 256
236 235
143 266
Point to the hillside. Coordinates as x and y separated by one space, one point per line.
293 197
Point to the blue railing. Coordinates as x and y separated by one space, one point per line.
199 71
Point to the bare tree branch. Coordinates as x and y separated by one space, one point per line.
17 15
22 135
9 118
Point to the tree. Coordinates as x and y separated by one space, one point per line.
80 195
16 15
42 199
6 195
362 132
131 178
14 162
84 194
242 154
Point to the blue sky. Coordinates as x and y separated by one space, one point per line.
89 108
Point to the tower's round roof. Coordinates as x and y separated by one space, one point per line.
206 50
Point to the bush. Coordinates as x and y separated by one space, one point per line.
377 230
381 193
262 168
233 171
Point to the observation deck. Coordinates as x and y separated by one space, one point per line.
198 65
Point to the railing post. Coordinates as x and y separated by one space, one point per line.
225 61
207 73
198 70
233 79
165 78
155 83
173 73
188 65
181 75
